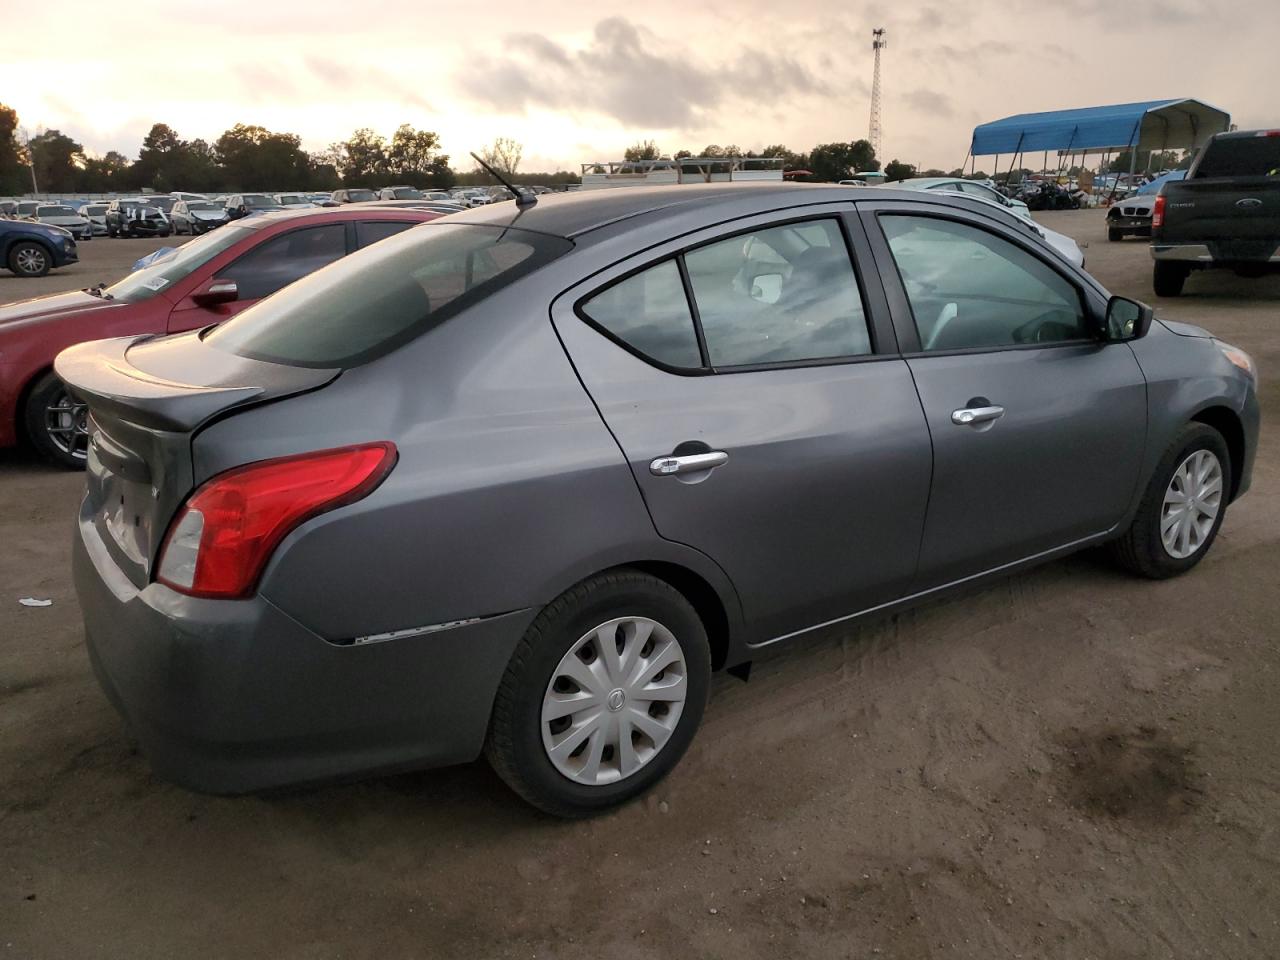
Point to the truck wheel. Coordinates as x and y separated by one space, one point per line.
1167 278
30 259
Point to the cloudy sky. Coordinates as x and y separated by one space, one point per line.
574 81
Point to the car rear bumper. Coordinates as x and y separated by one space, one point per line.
236 696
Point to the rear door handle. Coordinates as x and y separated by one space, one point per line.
689 463
967 416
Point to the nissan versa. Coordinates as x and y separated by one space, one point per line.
518 481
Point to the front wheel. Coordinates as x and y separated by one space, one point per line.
1114 234
30 259
57 423
1182 508
602 695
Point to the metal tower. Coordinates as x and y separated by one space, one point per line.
878 43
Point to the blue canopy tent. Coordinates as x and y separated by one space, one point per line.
1151 125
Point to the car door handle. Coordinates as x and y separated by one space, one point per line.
688 463
968 416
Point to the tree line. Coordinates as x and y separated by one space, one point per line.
246 157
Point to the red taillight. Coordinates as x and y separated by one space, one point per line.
224 534
1157 212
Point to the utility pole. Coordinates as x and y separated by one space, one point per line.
31 158
878 43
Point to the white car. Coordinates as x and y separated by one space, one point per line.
294 201
970 188
1063 245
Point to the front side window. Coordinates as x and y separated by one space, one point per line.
649 313
284 258
779 294
971 289
177 265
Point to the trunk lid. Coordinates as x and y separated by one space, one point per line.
148 397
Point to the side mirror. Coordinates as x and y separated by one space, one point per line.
1126 320
216 292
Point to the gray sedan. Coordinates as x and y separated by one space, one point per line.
518 481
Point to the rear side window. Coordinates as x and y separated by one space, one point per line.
371 231
649 313
1241 157
367 304
781 294
285 258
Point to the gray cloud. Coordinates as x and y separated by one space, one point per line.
627 73
336 76
929 102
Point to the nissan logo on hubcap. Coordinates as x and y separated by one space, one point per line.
616 699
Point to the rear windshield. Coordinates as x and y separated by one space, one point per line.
378 298
1241 157
55 212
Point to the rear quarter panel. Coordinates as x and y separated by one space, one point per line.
509 489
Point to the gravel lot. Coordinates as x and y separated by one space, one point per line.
1068 764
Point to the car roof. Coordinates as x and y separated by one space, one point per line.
575 213
327 214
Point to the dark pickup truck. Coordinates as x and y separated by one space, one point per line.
1224 215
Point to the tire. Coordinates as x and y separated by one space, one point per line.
111 232
1114 234
46 395
1167 278
30 259
1143 549
519 742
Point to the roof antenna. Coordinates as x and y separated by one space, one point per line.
522 199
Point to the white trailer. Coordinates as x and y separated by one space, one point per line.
631 173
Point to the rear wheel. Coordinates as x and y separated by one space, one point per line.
57 423
1167 278
602 695
30 259
1182 508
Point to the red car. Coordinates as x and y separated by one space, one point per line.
203 282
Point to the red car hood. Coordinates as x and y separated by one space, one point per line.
58 303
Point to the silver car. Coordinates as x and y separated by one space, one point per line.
518 481
61 215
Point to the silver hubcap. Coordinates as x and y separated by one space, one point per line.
1191 504
67 423
30 260
614 700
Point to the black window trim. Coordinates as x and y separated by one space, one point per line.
840 216
896 290
348 237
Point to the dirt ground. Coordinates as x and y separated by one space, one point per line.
1069 764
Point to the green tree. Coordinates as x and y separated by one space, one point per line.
14 175
897 170
361 159
254 158
839 161
104 174
415 158
643 150
791 160
57 160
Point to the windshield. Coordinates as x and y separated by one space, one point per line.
292 198
406 193
164 203
202 205
360 195
94 209
258 200
56 212
145 284
378 298
1257 156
